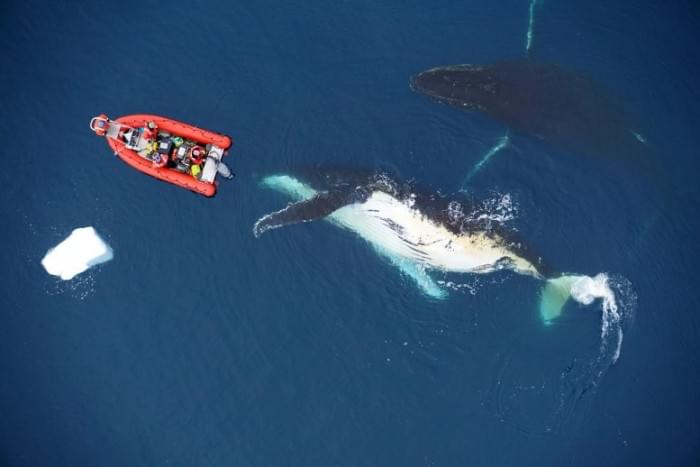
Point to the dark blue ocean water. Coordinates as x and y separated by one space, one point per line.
199 344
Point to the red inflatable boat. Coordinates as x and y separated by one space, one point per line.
163 148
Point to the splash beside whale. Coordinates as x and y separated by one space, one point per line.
567 110
417 233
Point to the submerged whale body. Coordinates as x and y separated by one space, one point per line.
567 110
416 232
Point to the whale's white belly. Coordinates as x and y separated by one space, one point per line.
398 228
394 227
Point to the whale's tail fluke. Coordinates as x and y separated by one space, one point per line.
583 289
554 295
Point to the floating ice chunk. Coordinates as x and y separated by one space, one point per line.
81 250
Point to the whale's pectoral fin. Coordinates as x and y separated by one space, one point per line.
420 276
415 272
317 207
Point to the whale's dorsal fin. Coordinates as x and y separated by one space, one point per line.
321 205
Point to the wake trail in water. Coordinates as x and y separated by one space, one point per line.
585 290
618 305
555 400
615 309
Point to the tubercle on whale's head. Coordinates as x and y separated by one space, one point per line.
463 86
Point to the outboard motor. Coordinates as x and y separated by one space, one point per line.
224 171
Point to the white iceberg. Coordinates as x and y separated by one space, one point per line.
81 250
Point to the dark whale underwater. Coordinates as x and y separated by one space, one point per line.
567 110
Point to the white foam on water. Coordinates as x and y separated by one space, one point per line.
498 209
587 289
472 288
80 251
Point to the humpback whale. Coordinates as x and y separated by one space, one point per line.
567 110
416 232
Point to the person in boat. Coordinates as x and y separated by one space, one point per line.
147 141
196 155
196 159
151 148
150 131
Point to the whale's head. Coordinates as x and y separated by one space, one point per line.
464 86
